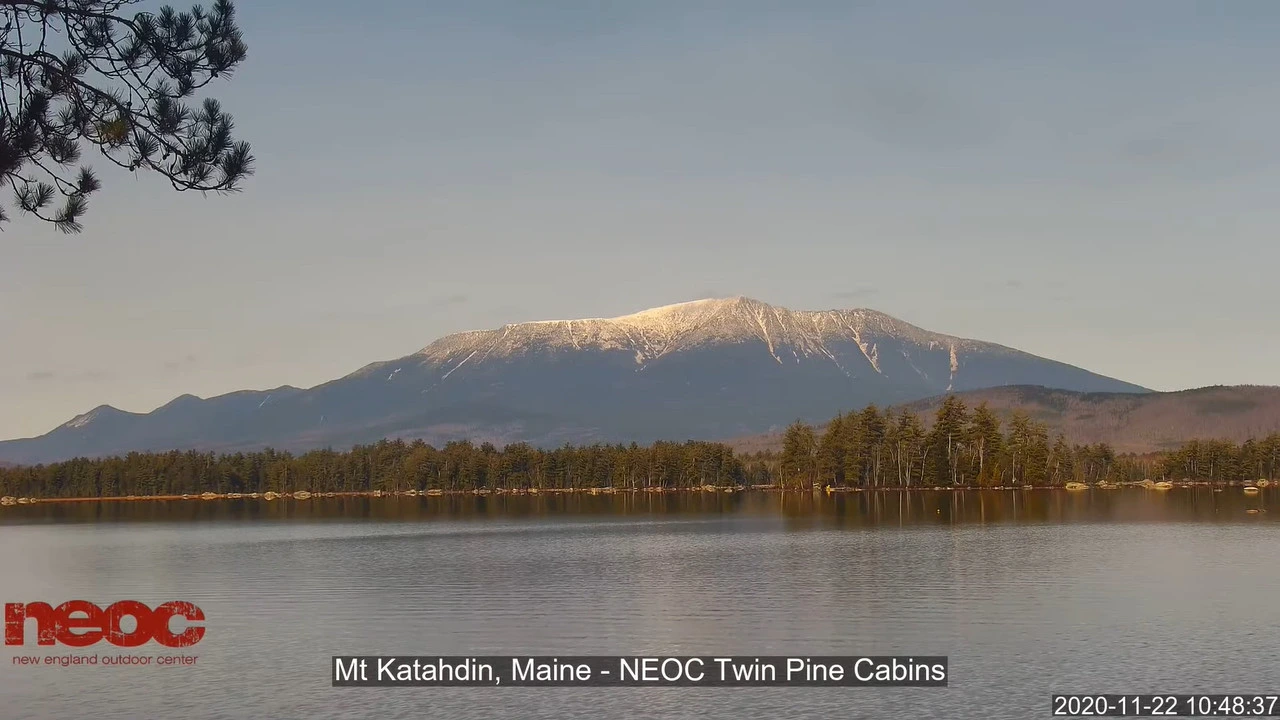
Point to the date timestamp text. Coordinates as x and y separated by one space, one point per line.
1100 705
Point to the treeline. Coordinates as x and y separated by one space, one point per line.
867 449
390 466
966 447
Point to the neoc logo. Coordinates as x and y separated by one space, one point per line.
80 623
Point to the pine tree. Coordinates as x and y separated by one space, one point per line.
831 452
911 450
799 455
872 431
1061 463
986 443
1027 449
947 440
83 74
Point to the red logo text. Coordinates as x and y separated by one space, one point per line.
80 623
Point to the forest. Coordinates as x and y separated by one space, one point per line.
870 448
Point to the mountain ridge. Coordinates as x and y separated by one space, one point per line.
1129 422
655 332
709 368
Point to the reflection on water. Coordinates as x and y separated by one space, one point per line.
882 508
1028 592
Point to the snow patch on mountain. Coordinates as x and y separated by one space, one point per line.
657 332
955 365
81 421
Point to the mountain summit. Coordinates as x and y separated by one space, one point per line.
850 340
658 332
708 368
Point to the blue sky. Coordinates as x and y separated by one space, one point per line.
1089 181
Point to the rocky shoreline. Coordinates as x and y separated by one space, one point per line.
269 496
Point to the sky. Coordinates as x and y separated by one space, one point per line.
1091 181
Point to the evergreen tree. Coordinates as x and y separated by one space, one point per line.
947 440
1061 463
910 450
1027 449
986 443
832 449
871 432
82 74
799 455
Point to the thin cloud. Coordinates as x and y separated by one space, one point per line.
859 293
920 114
40 376
181 363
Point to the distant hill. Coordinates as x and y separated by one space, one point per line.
705 369
1129 422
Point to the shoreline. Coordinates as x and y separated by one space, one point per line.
303 495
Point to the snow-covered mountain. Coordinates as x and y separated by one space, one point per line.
708 368
788 336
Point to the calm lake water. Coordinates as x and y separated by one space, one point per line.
1029 593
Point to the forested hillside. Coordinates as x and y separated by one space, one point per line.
867 449
1128 422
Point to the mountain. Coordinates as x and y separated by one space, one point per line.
1129 423
708 369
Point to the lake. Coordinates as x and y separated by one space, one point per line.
1028 592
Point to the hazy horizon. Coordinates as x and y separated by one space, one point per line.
1090 183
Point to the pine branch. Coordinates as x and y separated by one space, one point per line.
118 87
